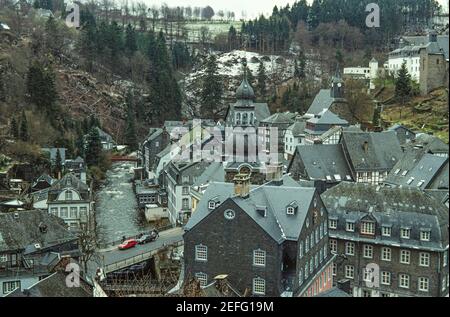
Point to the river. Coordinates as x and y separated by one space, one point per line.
116 208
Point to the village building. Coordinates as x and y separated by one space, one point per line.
32 242
389 241
287 254
277 123
70 199
404 134
294 135
320 124
426 60
368 74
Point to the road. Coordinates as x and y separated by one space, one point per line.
112 255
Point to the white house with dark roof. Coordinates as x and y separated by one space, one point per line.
70 199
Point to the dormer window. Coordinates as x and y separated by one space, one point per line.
333 224
290 210
261 210
69 195
211 204
405 233
425 235
368 227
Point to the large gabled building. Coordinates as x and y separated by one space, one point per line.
389 241
270 240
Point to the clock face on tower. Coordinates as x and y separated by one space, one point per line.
229 214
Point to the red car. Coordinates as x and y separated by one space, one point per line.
128 244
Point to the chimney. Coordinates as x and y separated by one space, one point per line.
275 173
366 147
241 185
344 285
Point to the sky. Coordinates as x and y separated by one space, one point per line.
253 8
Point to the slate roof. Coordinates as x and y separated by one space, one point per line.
333 292
69 181
245 91
395 207
324 162
384 150
298 128
323 100
401 131
280 117
44 178
54 286
277 224
327 117
442 42
18 233
429 144
213 173
419 170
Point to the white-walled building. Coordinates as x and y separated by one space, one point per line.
69 199
294 135
368 73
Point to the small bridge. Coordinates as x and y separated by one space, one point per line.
114 259
117 158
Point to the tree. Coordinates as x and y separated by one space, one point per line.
302 65
130 40
23 133
211 90
41 87
2 88
262 77
376 115
58 164
94 147
130 132
403 83
14 129
207 13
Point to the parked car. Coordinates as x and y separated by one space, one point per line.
128 244
146 238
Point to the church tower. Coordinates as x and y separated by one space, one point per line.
337 85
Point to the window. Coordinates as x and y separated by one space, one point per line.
367 275
334 269
424 259
405 256
202 278
290 210
201 253
350 248
325 253
333 245
424 284
306 245
424 235
325 227
321 231
300 277
306 271
316 261
311 237
185 190
63 213
386 278
259 258
10 286
333 223
405 233
69 195
317 235
349 271
445 258
83 212
212 205
185 203
73 212
350 226
386 254
259 286
368 251
300 252
311 265
386 231
403 281
54 211
368 227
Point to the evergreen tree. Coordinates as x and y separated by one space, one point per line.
262 77
41 87
14 129
58 169
130 132
403 83
79 142
130 40
2 88
211 91
376 115
23 134
94 148
302 65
